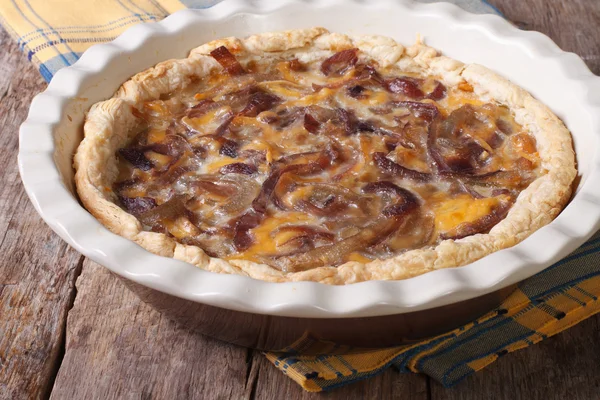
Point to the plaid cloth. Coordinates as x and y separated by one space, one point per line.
54 33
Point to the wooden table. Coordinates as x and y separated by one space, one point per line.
70 330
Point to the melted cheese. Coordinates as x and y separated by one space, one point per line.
449 213
354 256
410 159
265 244
458 99
299 193
181 228
159 160
375 98
156 107
261 145
216 165
288 74
313 99
284 89
156 135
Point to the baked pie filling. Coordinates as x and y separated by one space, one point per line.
303 164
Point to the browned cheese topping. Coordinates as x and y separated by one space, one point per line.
307 164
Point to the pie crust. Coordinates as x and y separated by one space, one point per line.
110 125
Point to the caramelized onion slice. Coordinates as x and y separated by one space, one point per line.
238 168
229 148
305 230
137 205
349 121
438 93
213 185
425 111
169 210
227 61
242 238
258 102
385 187
201 108
406 86
315 117
286 117
237 191
224 127
311 124
417 230
449 153
136 158
387 166
255 157
332 202
296 65
339 62
337 253
173 146
304 238
230 92
352 125
462 144
347 162
463 187
312 167
170 176
212 244
362 73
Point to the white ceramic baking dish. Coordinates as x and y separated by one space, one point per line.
53 129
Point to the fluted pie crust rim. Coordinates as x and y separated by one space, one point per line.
109 123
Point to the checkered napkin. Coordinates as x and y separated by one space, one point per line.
54 33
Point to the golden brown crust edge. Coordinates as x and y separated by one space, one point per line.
110 122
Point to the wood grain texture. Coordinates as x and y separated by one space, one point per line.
117 347
37 269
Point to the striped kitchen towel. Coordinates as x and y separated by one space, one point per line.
54 33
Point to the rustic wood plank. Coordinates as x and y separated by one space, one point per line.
562 367
37 269
119 347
